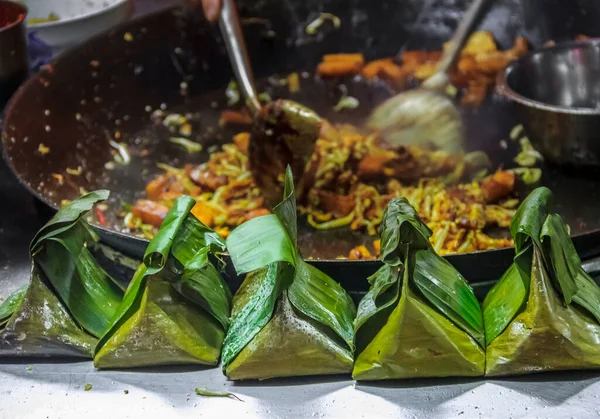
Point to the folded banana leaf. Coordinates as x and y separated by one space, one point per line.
420 317
70 299
176 308
288 318
544 313
10 305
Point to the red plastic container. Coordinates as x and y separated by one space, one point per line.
13 48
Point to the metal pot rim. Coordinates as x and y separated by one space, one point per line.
505 90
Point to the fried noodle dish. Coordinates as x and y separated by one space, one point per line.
352 175
354 179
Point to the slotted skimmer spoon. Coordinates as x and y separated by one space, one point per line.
427 115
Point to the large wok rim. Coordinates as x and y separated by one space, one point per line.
124 237
14 100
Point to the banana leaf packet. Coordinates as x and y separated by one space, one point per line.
420 317
288 318
176 308
544 313
70 299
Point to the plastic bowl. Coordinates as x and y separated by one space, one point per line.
77 21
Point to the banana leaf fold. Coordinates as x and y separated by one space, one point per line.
176 308
288 318
420 317
70 299
544 313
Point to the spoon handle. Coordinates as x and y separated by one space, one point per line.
467 24
231 30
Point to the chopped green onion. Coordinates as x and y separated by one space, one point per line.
174 119
43 150
451 90
169 169
293 81
233 93
511 203
265 97
335 223
87 387
312 27
123 156
188 185
346 102
185 130
75 172
129 220
529 175
532 175
525 159
528 156
147 231
211 393
516 132
189 145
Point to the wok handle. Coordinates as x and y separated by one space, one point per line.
231 30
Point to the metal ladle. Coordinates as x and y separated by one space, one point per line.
426 114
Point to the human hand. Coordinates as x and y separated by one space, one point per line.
211 8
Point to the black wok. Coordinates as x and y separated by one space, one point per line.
107 85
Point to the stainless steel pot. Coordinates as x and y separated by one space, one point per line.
556 91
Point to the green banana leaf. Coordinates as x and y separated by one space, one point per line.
70 299
43 327
544 312
565 268
420 317
546 335
508 296
529 218
10 305
288 318
176 308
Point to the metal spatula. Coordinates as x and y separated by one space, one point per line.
284 131
427 115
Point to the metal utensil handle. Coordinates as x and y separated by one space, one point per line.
424 13
592 266
461 35
231 30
